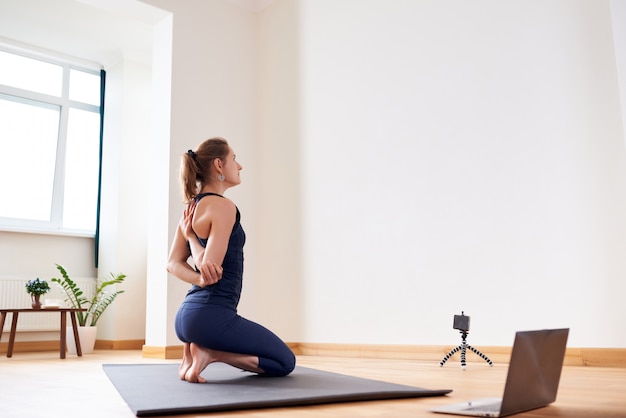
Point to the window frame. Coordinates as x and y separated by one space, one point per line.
55 225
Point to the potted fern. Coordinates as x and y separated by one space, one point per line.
95 306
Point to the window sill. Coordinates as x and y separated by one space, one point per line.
43 231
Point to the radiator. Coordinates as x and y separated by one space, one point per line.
13 295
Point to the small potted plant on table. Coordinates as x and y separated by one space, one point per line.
36 288
95 306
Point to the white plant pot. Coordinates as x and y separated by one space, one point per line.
87 336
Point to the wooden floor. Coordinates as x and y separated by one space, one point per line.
36 385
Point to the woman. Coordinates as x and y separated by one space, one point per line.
207 321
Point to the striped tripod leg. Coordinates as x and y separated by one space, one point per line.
481 355
463 351
450 354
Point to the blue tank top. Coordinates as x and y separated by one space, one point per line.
227 291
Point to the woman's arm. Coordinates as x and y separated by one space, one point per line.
186 245
186 227
213 272
177 260
214 218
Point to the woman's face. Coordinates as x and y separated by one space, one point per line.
232 168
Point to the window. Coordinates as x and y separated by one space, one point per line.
49 144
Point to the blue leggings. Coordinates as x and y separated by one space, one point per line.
220 328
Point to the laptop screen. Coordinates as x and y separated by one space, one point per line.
534 370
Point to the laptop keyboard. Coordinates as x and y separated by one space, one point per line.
488 407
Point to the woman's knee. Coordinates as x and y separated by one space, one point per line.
278 364
288 363
291 363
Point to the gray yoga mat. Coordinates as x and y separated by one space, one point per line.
155 389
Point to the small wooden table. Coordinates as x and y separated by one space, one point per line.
63 311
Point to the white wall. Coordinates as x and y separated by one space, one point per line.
214 92
278 286
461 156
125 196
115 40
403 161
618 24
35 255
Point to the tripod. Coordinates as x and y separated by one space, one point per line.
463 348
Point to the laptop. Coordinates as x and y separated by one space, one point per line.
532 379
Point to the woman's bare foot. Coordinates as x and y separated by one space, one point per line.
201 358
196 358
186 363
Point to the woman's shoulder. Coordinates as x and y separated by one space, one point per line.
213 210
215 202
